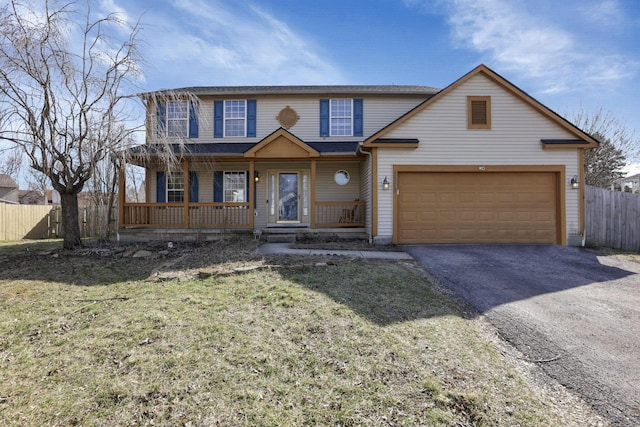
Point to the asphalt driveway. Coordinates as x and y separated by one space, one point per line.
575 314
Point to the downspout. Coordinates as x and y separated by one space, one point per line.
368 154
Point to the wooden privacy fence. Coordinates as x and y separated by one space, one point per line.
42 222
24 222
612 219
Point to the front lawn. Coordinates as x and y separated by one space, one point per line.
212 334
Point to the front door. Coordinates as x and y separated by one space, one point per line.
288 197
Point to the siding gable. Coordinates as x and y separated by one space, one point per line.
486 72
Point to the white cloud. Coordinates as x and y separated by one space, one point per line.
607 13
532 43
197 42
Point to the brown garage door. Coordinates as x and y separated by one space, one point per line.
487 207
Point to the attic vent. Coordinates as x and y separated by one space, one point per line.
479 112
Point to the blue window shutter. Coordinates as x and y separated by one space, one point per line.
324 117
218 119
161 187
161 116
357 117
193 186
193 119
251 117
218 186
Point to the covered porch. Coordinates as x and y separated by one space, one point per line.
279 183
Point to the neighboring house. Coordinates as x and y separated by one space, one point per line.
479 161
628 184
8 190
53 197
31 197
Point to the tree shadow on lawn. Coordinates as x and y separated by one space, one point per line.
114 262
382 291
81 270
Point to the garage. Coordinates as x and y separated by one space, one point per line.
477 207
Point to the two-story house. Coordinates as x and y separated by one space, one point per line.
479 161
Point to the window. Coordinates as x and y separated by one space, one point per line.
235 118
175 187
341 117
235 184
177 119
479 112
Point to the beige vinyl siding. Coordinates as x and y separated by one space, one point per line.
365 191
514 139
260 212
378 111
153 184
326 188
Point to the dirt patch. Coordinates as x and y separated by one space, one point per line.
340 243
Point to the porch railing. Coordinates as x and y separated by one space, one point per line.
230 215
340 214
200 215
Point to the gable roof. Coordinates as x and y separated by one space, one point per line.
590 142
281 144
7 182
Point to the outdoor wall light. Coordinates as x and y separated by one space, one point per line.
256 176
385 183
575 184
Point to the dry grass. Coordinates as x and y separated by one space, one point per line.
87 339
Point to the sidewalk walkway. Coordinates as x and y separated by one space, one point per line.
284 249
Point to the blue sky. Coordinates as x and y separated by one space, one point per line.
570 54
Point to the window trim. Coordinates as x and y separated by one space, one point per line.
487 123
186 119
225 118
332 117
244 186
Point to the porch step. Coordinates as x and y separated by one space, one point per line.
281 238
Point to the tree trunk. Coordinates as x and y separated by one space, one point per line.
70 223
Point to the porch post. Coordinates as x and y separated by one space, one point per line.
121 194
185 173
313 193
252 193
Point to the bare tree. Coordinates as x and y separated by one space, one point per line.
65 78
11 163
618 143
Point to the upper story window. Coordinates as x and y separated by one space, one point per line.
341 117
234 118
177 119
479 112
